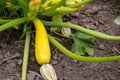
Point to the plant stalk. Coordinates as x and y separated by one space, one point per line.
12 23
82 29
78 57
25 56
3 21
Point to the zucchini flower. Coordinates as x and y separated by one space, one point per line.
48 73
34 4
66 31
34 7
71 2
8 4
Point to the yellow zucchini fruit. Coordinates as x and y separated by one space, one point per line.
42 47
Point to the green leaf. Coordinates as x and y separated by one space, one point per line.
117 20
83 43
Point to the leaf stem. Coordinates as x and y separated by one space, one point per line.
3 21
82 29
25 56
12 23
81 58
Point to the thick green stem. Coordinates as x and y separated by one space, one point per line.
81 58
12 23
25 56
82 29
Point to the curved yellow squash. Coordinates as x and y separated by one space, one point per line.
42 47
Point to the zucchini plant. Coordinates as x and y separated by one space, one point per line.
32 13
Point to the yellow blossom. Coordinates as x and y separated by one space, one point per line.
34 7
45 5
8 4
34 2
71 2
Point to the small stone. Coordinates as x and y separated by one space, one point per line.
30 76
19 61
75 61
54 62
93 27
75 14
90 26
32 58
101 46
55 57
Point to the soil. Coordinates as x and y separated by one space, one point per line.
97 15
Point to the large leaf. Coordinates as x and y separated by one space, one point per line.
83 43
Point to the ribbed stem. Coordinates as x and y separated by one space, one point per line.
25 56
12 23
81 58
82 29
